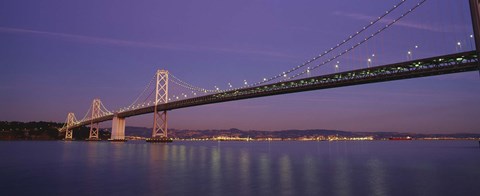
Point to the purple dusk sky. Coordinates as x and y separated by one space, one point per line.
56 56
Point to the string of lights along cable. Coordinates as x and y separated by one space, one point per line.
177 89
285 75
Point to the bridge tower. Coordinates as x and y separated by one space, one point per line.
70 123
159 132
475 12
96 112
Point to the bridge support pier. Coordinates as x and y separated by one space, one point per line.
475 13
118 129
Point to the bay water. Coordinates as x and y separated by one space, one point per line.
240 168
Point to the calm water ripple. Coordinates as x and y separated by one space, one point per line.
240 168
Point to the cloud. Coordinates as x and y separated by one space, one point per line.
402 23
86 39
127 43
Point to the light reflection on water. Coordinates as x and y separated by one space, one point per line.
245 172
377 177
342 178
264 175
311 180
240 168
285 172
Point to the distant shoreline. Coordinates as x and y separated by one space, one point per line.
253 140
46 131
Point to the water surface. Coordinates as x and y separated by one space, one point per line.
240 168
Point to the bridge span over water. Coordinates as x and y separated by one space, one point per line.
438 65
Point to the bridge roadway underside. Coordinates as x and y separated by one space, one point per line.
439 65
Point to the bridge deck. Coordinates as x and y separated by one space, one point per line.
439 65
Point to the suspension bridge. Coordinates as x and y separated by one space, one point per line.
163 87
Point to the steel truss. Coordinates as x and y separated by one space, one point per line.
439 65
96 112
70 124
161 97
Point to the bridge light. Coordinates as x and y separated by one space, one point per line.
416 46
471 36
409 55
458 47
369 62
264 79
